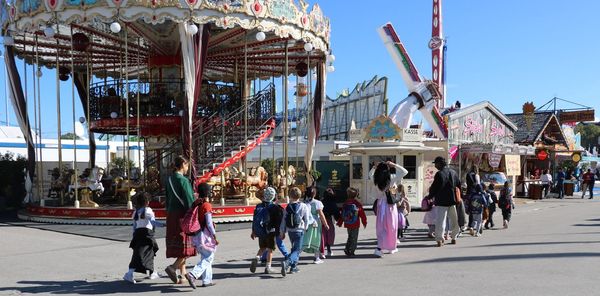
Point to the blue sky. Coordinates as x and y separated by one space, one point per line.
507 52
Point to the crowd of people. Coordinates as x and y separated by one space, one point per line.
308 221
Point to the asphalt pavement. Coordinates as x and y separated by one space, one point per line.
550 248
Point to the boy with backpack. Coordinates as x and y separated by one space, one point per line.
506 203
295 221
265 225
477 203
352 210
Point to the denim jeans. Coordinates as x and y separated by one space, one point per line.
296 240
440 222
203 270
477 219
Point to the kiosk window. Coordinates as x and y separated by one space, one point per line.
357 171
410 164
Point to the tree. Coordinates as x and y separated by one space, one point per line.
589 134
69 136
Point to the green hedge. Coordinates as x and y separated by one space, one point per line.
12 184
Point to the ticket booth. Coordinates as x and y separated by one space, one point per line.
381 141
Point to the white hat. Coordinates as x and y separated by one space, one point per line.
269 194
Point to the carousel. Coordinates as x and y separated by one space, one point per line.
188 77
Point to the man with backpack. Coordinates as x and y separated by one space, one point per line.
265 225
352 211
295 221
443 192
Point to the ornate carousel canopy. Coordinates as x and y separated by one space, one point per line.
113 37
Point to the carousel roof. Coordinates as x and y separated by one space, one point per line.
83 36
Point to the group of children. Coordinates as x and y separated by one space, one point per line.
480 205
309 224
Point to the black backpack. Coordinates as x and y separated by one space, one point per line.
293 218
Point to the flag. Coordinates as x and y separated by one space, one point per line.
314 125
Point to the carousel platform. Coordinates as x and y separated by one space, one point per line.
120 215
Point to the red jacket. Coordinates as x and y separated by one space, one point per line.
361 215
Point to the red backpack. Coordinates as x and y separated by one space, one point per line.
189 223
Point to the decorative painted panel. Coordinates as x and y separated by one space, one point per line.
481 126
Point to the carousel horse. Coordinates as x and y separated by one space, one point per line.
257 180
285 179
124 188
60 183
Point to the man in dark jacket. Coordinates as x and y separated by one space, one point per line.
443 191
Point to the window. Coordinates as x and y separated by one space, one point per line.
410 164
357 171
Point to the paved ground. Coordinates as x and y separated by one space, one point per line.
551 248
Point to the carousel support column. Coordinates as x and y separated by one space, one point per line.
139 132
222 191
76 185
298 103
61 194
39 133
127 158
35 118
285 123
274 108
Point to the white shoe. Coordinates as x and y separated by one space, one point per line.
129 277
329 253
154 276
394 251
397 242
318 261
378 253
478 234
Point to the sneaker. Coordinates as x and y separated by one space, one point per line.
322 256
129 277
294 269
377 253
283 267
253 264
208 285
346 253
440 243
472 232
269 270
394 251
154 276
329 253
191 280
171 273
478 234
318 261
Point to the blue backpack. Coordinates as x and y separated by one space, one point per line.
261 221
350 213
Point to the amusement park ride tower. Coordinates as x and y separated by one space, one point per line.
427 96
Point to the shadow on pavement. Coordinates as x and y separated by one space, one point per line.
508 257
91 288
536 244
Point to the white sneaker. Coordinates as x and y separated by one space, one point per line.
397 241
394 251
129 277
318 261
378 253
329 253
478 234
154 276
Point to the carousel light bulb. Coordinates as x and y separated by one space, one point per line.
192 29
331 58
260 36
49 32
308 46
330 68
113 115
8 40
39 72
115 27
82 119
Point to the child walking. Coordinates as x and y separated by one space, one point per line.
313 241
403 211
143 243
332 213
295 220
265 226
477 203
205 240
506 203
352 210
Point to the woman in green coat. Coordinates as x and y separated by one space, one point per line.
180 197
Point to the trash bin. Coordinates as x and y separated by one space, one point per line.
569 188
535 191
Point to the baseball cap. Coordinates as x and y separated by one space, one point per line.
269 194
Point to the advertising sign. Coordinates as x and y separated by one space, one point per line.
576 116
334 175
513 165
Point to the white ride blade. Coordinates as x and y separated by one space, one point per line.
402 113
396 49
